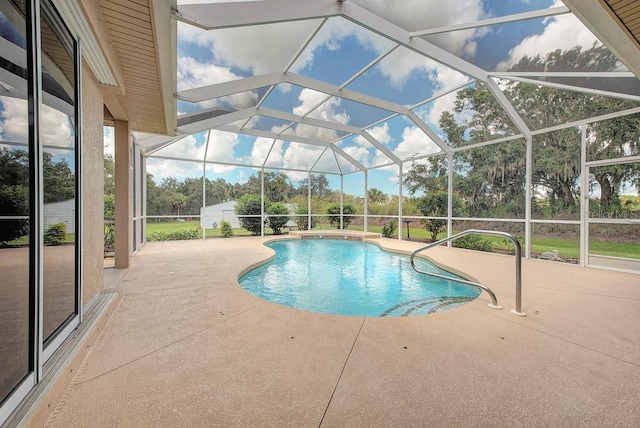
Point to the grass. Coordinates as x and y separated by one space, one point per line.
70 238
567 247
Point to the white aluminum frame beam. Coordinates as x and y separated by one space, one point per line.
386 29
330 125
508 107
542 13
217 90
571 88
229 88
245 13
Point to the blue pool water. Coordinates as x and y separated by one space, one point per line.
352 278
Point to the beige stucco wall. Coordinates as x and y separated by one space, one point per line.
92 185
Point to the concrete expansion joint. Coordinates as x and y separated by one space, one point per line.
344 366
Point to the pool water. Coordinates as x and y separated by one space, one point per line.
352 278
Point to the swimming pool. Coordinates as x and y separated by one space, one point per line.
352 278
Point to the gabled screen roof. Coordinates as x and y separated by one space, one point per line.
343 86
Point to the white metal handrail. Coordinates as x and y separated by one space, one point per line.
494 301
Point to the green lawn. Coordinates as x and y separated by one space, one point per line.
568 248
70 238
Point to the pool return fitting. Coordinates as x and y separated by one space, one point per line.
494 301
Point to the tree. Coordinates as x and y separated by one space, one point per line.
154 205
14 193
14 167
549 106
59 180
14 200
436 204
277 186
251 205
303 218
319 186
277 223
377 196
333 210
109 175
491 179
431 176
611 139
179 201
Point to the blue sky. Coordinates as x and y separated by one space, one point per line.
339 50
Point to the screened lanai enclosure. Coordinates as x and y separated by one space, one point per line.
510 116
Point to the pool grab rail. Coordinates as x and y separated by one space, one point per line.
494 301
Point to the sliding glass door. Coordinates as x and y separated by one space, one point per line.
58 142
39 192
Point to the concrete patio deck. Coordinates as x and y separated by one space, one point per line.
188 347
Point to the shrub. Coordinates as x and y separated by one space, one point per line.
303 220
277 223
177 235
388 229
436 204
473 242
109 228
55 234
509 244
334 209
250 204
225 229
14 200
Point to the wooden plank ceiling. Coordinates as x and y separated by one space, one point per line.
628 12
130 26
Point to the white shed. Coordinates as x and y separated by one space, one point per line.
60 212
212 215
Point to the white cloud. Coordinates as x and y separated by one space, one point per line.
327 162
359 153
193 74
14 120
222 145
186 148
327 112
415 15
56 126
109 139
264 147
561 32
439 106
415 142
380 133
300 156
258 49
333 33
402 63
